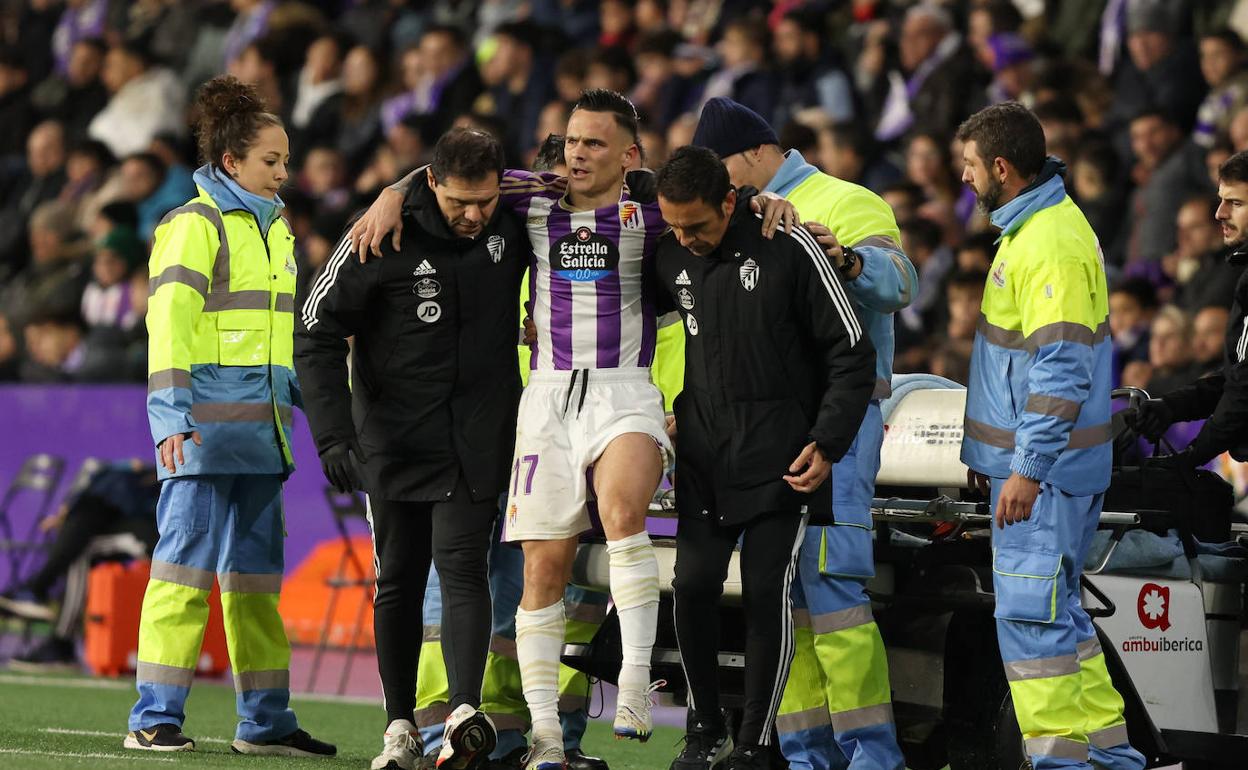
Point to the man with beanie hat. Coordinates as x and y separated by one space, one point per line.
839 684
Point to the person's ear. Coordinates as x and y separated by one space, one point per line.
1000 168
229 164
730 202
433 181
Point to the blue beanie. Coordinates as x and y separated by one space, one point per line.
728 128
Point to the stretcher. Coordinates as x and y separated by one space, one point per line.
1169 610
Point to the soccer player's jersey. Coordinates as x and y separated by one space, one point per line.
592 308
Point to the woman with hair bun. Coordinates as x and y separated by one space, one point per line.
220 394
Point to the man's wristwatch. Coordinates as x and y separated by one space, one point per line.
850 258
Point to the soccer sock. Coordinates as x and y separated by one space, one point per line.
635 589
539 642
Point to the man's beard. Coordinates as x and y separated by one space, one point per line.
990 198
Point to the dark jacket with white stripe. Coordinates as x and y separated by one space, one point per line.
1222 397
435 380
775 357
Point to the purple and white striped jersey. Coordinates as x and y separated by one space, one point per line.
592 307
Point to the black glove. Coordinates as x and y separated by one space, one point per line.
1150 419
1184 460
338 469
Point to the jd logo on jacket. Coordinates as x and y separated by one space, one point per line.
429 312
584 255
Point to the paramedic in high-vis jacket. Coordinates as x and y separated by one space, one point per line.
838 695
1037 433
220 394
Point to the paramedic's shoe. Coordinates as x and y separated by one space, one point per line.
166 737
27 605
579 760
469 734
297 744
707 746
401 748
632 713
512 761
546 755
750 758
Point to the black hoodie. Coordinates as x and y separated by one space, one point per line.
435 379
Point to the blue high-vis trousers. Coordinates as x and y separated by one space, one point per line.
1066 704
837 707
228 528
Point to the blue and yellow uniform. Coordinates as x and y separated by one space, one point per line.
838 693
220 324
1038 405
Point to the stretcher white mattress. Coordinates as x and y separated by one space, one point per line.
923 440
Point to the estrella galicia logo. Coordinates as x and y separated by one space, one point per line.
583 255
427 288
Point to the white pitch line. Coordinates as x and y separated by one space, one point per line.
85 755
111 734
54 681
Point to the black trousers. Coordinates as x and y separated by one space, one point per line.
88 518
769 546
455 535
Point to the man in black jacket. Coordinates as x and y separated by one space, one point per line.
430 420
778 373
1221 398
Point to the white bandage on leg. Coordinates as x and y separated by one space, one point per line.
635 591
539 643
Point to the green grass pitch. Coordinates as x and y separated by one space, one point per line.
57 722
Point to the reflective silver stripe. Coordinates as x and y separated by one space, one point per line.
168 378
988 434
159 673
221 262
216 411
503 647
1041 668
192 577
285 303
1088 648
179 274
434 714
803 720
1053 406
1093 435
867 716
1061 331
251 299
250 582
883 389
1080 438
878 241
432 633
276 679
502 722
1061 748
1109 737
570 704
801 618
830 622
586 612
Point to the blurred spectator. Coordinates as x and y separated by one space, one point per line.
905 198
441 80
57 351
15 105
1209 338
89 181
75 97
1101 196
145 101
743 76
106 299
976 253
1222 65
1132 304
680 132
40 181
846 151
929 166
257 65
661 94
576 19
1011 61
319 79
249 25
324 178
1202 272
922 241
154 189
1215 157
80 20
810 74
1169 354
9 351
351 120
518 88
1168 170
411 140
964 296
1161 71
1063 127
111 215
1238 130
611 68
935 79
654 147
615 25
570 69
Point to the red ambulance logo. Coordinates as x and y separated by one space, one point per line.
1153 606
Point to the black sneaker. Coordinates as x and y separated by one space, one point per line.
512 761
297 744
50 655
750 758
166 737
26 604
579 760
707 745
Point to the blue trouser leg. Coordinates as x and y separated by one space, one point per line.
850 723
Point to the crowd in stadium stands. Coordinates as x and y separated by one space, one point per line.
1142 99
